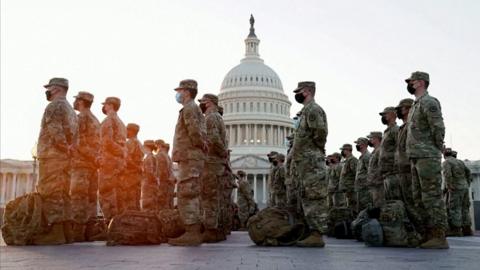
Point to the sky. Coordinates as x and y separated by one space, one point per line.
357 52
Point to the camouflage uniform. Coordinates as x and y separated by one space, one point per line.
84 184
58 133
374 177
456 176
150 185
308 165
361 187
336 198
387 159
279 189
113 153
165 176
132 179
227 204
290 186
246 204
347 181
271 178
425 134
188 144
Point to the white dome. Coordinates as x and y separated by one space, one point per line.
252 73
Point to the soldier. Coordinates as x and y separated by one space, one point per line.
425 135
132 180
308 164
84 184
467 222
402 163
229 183
165 175
215 164
457 176
347 177
113 153
279 189
337 197
189 150
271 176
58 136
290 186
246 204
364 199
150 181
374 176
387 154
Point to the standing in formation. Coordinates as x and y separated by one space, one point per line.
246 204
150 183
347 177
165 175
132 180
364 199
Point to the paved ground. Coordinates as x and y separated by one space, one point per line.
239 253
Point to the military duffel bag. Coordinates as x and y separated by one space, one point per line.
171 223
393 218
22 219
339 222
274 226
134 228
357 224
372 233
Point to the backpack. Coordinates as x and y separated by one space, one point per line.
134 228
171 223
393 218
372 233
358 223
339 220
22 219
274 226
96 229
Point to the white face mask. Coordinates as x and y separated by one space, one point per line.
178 97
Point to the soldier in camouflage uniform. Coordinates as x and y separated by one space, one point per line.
467 222
364 199
113 152
425 137
387 154
58 136
336 197
132 180
212 188
308 164
347 177
245 202
402 163
165 175
457 182
189 151
279 189
290 186
150 183
374 176
84 181
271 176
228 209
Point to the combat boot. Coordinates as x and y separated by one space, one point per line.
438 240
192 237
455 231
313 240
79 232
467 231
210 236
54 236
68 230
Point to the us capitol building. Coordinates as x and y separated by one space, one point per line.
256 115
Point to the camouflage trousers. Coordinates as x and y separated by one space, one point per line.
335 199
364 199
427 192
211 194
280 199
149 197
110 190
310 172
166 195
378 195
54 186
459 208
243 212
132 187
405 180
227 208
83 193
393 190
188 200
351 200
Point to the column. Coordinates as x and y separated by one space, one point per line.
270 135
247 133
14 186
264 135
255 134
239 133
230 141
255 188
264 188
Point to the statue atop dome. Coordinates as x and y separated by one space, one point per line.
252 29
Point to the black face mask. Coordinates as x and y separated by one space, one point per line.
299 98
384 120
275 163
399 114
327 162
358 147
270 160
203 107
104 111
48 95
370 144
410 89
343 154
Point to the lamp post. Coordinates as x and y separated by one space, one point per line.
34 173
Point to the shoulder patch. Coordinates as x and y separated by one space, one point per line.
312 117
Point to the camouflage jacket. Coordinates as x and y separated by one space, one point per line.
58 131
362 171
150 169
164 168
455 174
190 134
88 147
334 177
279 181
216 138
135 155
402 163
426 130
387 151
113 136
374 175
347 176
245 194
311 134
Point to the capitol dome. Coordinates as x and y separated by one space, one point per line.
256 115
